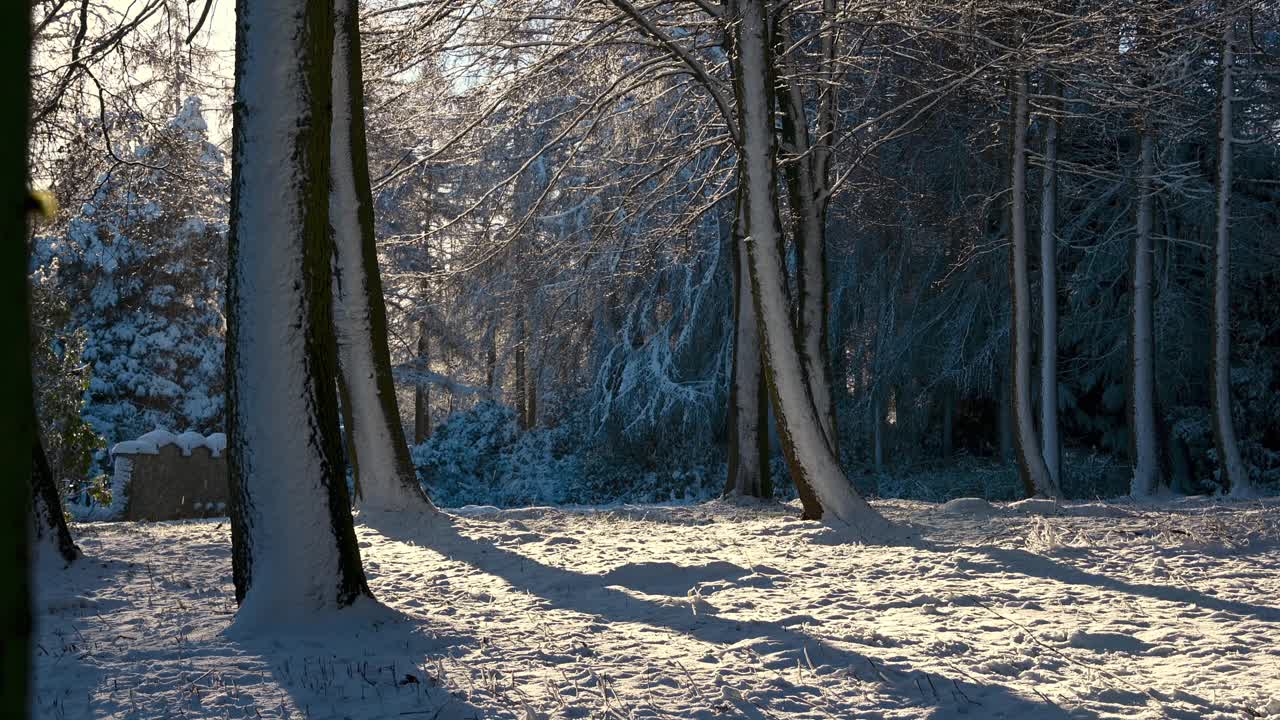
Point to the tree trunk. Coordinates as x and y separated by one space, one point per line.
531 398
1234 475
948 422
51 532
1144 444
1004 423
519 371
491 363
293 544
815 469
422 391
17 429
809 210
748 414
1051 442
384 469
1031 467
877 433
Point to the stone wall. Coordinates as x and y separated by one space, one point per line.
172 480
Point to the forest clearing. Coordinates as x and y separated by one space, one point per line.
1153 610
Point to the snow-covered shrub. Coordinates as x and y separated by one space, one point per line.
481 457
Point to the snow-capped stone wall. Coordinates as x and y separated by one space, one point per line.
163 476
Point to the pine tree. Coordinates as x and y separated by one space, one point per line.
142 263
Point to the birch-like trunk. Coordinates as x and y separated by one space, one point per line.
383 467
1234 474
1142 401
748 411
1031 467
813 463
1051 441
294 547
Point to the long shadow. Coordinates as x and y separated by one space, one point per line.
1030 564
944 696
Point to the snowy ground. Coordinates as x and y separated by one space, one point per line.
1095 611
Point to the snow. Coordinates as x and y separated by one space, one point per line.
150 443
1135 610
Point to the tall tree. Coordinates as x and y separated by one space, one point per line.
17 429
1050 438
1031 466
1142 401
379 454
293 543
814 466
1234 474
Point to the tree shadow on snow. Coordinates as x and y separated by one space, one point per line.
1027 563
893 684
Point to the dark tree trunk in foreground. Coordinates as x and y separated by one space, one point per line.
380 455
293 544
17 429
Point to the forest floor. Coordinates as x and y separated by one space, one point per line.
1168 609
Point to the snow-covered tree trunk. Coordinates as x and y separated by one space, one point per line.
17 429
748 396
293 543
1234 474
809 210
51 534
380 456
1142 402
1051 442
814 465
422 391
1031 467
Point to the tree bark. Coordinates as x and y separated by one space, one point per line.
1234 475
1031 466
422 391
1051 441
824 489
809 208
748 414
293 543
948 413
383 467
519 371
1144 444
17 429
